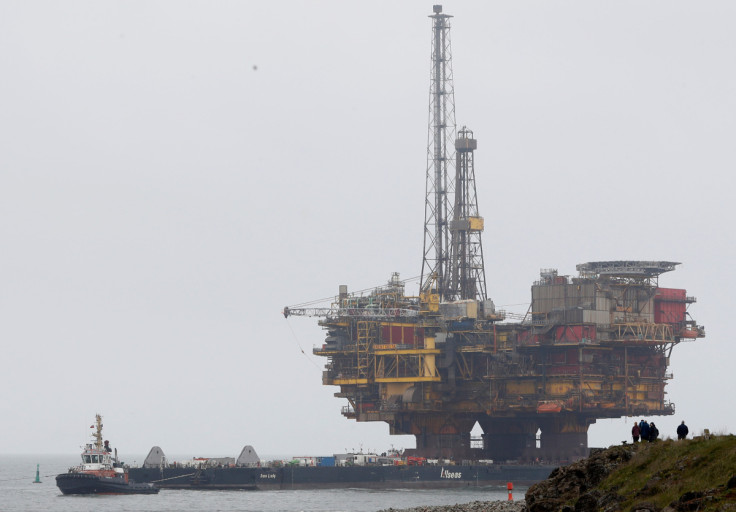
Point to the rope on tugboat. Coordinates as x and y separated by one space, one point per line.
173 477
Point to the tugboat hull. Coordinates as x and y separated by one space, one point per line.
84 483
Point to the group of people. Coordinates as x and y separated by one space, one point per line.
649 431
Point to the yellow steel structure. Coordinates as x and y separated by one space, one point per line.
425 369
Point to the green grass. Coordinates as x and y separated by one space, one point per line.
661 472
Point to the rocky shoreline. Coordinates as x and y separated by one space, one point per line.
475 506
666 476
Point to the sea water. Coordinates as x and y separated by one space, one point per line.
19 493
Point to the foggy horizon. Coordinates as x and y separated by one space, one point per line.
173 175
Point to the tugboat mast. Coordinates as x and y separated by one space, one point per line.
98 432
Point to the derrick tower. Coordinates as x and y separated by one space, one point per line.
438 204
453 253
468 275
592 346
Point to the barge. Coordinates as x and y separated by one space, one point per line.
332 472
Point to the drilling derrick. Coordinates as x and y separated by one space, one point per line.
592 346
438 202
468 277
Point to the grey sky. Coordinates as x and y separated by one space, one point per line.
173 173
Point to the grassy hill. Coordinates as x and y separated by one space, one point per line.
664 472
698 474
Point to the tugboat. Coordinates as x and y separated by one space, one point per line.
100 472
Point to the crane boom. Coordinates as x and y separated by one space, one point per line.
367 312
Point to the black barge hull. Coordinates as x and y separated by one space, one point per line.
368 477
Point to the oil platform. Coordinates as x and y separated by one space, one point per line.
592 346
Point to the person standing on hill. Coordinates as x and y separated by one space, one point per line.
682 430
644 430
653 432
635 432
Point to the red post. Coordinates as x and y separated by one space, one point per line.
510 488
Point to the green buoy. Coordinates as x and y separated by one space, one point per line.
38 476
